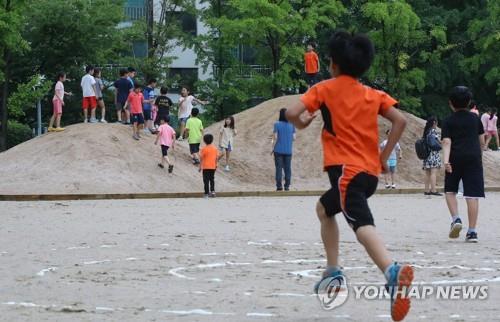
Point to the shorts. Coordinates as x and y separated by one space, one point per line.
311 79
470 171
89 102
351 188
119 106
491 132
57 104
194 148
183 119
229 148
164 150
392 163
137 118
147 115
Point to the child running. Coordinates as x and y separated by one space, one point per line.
209 157
392 162
463 138
352 159
135 100
194 129
226 139
58 103
166 136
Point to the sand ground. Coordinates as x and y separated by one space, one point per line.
239 259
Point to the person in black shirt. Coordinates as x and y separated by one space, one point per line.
463 142
163 103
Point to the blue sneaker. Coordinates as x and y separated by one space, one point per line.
333 274
471 237
400 280
455 229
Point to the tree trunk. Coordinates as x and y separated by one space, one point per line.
276 67
150 24
5 94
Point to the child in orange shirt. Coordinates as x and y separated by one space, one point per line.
209 156
352 160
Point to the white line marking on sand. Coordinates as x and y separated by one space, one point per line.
260 314
46 270
97 262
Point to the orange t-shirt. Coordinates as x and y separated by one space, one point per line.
312 62
208 157
350 113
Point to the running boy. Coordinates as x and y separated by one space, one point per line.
463 139
209 157
166 136
58 103
163 104
392 163
149 98
352 159
185 107
89 101
135 101
194 129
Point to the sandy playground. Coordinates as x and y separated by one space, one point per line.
238 259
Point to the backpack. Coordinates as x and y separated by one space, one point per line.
433 143
422 148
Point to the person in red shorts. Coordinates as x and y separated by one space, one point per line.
135 100
89 94
352 159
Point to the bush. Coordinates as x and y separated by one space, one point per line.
17 133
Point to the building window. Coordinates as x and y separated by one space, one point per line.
187 22
135 9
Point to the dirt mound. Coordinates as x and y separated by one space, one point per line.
103 158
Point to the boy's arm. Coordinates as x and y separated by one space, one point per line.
200 101
446 154
157 137
274 140
398 125
299 116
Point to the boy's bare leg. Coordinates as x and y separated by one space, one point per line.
58 120
329 235
127 114
472 211
92 113
119 115
181 129
135 128
168 160
103 110
392 178
51 122
86 114
374 245
451 201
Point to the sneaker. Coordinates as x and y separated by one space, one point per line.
103 121
287 188
160 165
400 278
180 139
51 129
427 193
435 193
59 129
226 168
93 120
85 121
212 194
471 237
196 161
387 186
135 137
147 131
170 168
205 196
332 277
279 189
393 186
455 229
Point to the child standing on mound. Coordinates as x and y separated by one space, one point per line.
226 139
135 100
352 159
463 139
194 129
392 162
166 136
209 156
58 103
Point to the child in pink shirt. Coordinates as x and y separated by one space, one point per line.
166 136
491 129
58 103
135 100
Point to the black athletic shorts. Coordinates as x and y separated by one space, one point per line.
194 148
351 188
311 79
164 150
137 118
147 114
470 171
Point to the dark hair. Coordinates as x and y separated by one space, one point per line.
231 124
186 87
208 138
282 115
60 75
493 112
460 97
89 68
352 53
137 85
195 111
428 126
131 69
166 118
163 90
123 72
97 71
151 80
